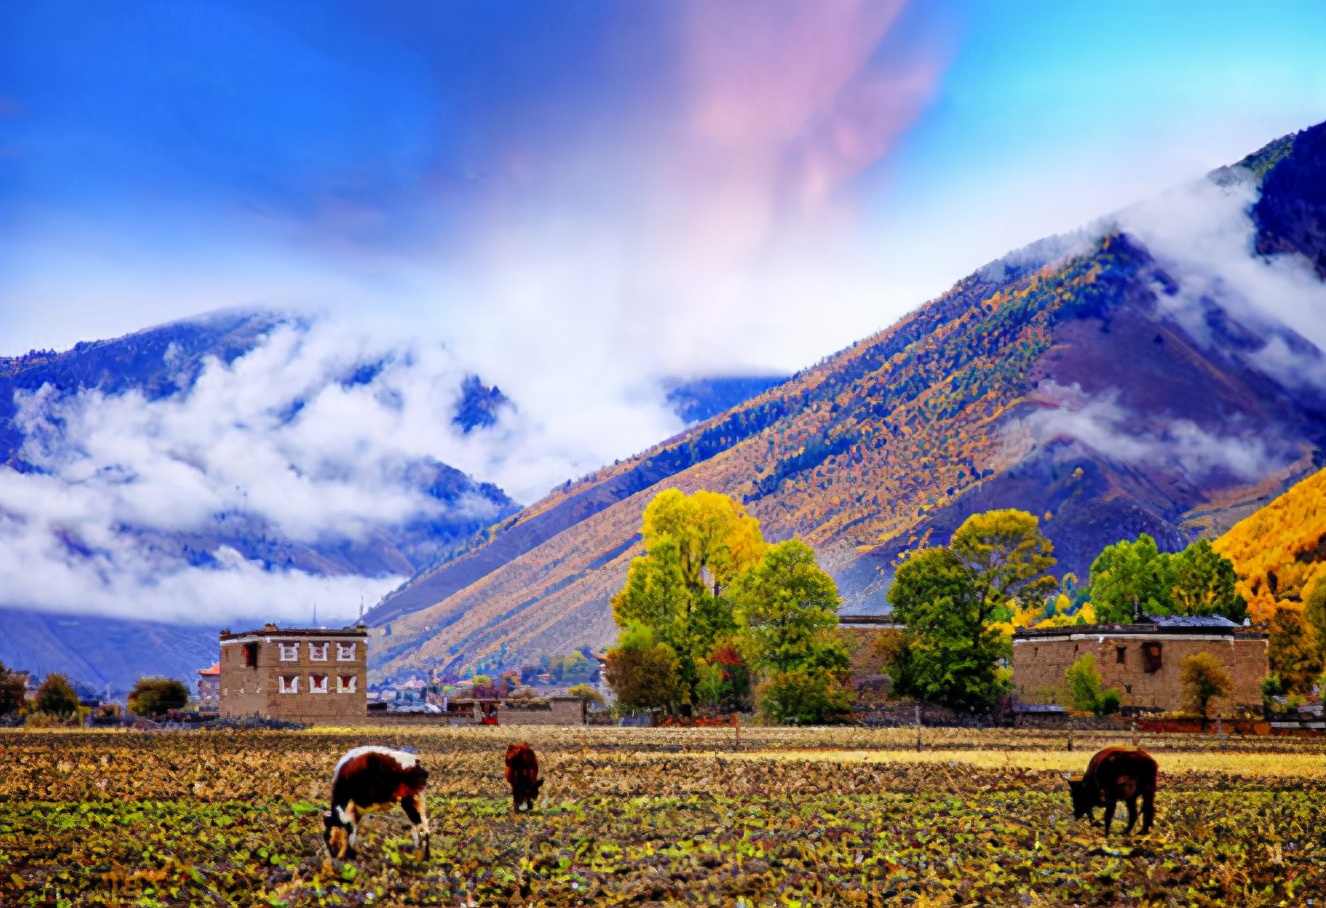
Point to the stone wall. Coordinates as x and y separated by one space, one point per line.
558 712
1039 664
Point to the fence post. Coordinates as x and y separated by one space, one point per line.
1220 732
1134 732
918 728
1070 739
736 724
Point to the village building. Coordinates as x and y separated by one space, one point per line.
1141 660
209 684
313 675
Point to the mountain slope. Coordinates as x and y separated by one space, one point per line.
1280 551
106 420
1098 385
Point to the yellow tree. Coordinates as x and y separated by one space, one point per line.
1008 559
696 546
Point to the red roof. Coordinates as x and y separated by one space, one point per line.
214 670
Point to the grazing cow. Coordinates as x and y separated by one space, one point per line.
374 778
522 771
1112 775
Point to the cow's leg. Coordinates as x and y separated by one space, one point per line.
1132 814
417 811
349 815
1148 810
1109 814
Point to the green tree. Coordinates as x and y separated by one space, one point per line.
1203 678
644 672
1292 651
154 697
950 648
789 609
1131 572
696 546
586 693
1204 583
56 696
1007 557
13 690
1087 690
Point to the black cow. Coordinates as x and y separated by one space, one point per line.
1116 774
522 771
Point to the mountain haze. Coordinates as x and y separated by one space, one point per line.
1160 372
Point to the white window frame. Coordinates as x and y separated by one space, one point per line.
347 684
289 684
345 652
315 688
315 648
289 652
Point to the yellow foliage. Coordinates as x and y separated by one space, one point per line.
1280 551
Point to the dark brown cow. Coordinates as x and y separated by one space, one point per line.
522 771
374 778
1116 774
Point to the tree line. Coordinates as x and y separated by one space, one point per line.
714 616
56 701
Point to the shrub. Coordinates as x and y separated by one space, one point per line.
803 697
56 696
154 697
1085 688
1203 678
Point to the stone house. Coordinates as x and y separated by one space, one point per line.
313 675
1142 660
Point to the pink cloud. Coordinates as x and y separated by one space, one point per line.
793 100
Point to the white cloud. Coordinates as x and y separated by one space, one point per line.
1178 446
281 440
1203 236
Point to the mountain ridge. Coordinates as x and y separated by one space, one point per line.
1061 382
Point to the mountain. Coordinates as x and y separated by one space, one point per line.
162 370
698 399
1279 552
1137 377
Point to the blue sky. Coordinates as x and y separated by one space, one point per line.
639 165
572 199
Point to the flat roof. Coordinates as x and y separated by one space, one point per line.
272 630
1189 626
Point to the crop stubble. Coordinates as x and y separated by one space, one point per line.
630 817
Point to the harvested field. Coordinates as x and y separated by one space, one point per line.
667 816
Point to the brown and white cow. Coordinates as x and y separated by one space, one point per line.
522 771
374 778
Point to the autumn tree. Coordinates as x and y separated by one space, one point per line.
1130 575
644 672
1314 616
1203 583
1007 558
1203 678
951 646
154 697
1292 651
696 546
56 696
13 690
789 609
587 693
